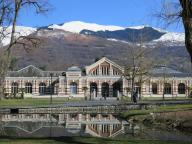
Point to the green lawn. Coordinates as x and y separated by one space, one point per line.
173 108
46 101
128 99
34 102
86 140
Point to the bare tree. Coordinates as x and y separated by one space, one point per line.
175 11
9 13
139 66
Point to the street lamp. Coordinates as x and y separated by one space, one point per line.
51 88
51 93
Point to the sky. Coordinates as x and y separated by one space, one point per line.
106 12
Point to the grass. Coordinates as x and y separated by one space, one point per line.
172 108
145 99
46 101
86 140
34 102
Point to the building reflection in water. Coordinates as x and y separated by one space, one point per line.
99 125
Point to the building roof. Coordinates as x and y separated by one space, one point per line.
167 71
74 68
32 71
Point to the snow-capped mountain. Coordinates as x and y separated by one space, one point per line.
127 34
20 31
78 26
94 29
172 37
64 46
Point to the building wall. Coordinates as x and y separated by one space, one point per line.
102 74
85 81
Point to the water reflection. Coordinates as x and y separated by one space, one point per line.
38 125
98 125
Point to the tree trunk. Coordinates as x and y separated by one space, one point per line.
186 15
188 35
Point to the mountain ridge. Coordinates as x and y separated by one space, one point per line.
109 31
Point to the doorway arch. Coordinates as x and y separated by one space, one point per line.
105 90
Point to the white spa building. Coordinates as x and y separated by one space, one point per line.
100 80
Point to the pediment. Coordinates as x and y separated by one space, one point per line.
103 62
30 71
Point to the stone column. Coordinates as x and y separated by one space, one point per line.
87 83
174 86
110 129
99 89
187 88
144 89
34 87
160 88
110 89
100 72
149 89
61 91
80 87
9 86
67 88
110 70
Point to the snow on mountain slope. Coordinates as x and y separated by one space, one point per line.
78 26
171 37
20 31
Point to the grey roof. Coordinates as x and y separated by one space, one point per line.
166 71
32 71
74 68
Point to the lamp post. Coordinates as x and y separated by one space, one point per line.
164 75
51 93
51 88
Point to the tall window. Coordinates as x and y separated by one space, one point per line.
167 88
95 72
105 70
28 87
115 72
181 88
73 88
117 89
14 88
56 88
42 88
93 89
154 88
105 89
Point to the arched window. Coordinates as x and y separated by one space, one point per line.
167 88
42 88
14 88
56 88
93 89
181 88
117 89
28 87
154 88
73 88
105 89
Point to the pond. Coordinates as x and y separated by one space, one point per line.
96 125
